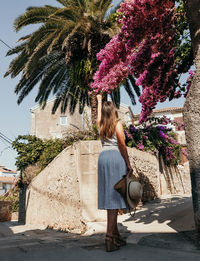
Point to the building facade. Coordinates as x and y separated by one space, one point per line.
7 179
175 114
46 125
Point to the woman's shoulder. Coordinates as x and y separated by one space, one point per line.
119 130
118 125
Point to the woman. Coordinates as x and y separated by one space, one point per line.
113 163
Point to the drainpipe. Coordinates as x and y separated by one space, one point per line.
34 121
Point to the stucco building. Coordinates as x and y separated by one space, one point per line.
44 124
175 114
7 179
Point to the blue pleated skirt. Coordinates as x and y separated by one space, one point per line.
111 168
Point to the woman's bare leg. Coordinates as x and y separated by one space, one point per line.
110 240
116 231
111 221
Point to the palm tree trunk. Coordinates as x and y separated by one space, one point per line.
94 108
192 109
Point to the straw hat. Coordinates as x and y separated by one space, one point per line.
130 189
134 191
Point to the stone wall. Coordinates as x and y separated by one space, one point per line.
5 211
53 197
64 195
145 166
175 180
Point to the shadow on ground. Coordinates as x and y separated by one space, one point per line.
175 211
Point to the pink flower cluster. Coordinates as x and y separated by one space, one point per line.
189 81
144 48
155 138
169 154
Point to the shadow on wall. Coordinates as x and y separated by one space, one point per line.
149 192
172 177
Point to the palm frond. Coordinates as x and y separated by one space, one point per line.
74 98
16 49
76 31
115 96
39 35
104 6
60 36
135 87
61 97
43 65
70 35
84 100
24 38
65 2
62 76
36 55
17 65
129 91
25 86
49 81
71 13
83 5
34 15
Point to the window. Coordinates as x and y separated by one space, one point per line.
63 120
6 187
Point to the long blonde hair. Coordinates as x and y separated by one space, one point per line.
109 119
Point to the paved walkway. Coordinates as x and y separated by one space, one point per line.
161 230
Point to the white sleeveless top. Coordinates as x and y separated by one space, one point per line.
110 144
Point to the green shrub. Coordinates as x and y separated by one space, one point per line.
35 154
13 196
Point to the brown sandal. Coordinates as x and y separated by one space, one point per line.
120 240
111 243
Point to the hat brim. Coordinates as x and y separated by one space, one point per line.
132 202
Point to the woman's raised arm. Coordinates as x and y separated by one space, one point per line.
99 100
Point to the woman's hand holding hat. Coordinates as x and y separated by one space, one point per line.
129 171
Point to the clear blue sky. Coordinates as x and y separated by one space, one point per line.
15 119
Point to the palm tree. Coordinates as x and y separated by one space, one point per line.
61 53
192 109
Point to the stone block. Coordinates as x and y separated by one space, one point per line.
90 178
97 147
88 163
90 147
84 148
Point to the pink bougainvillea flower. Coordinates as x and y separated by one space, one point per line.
144 48
140 146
